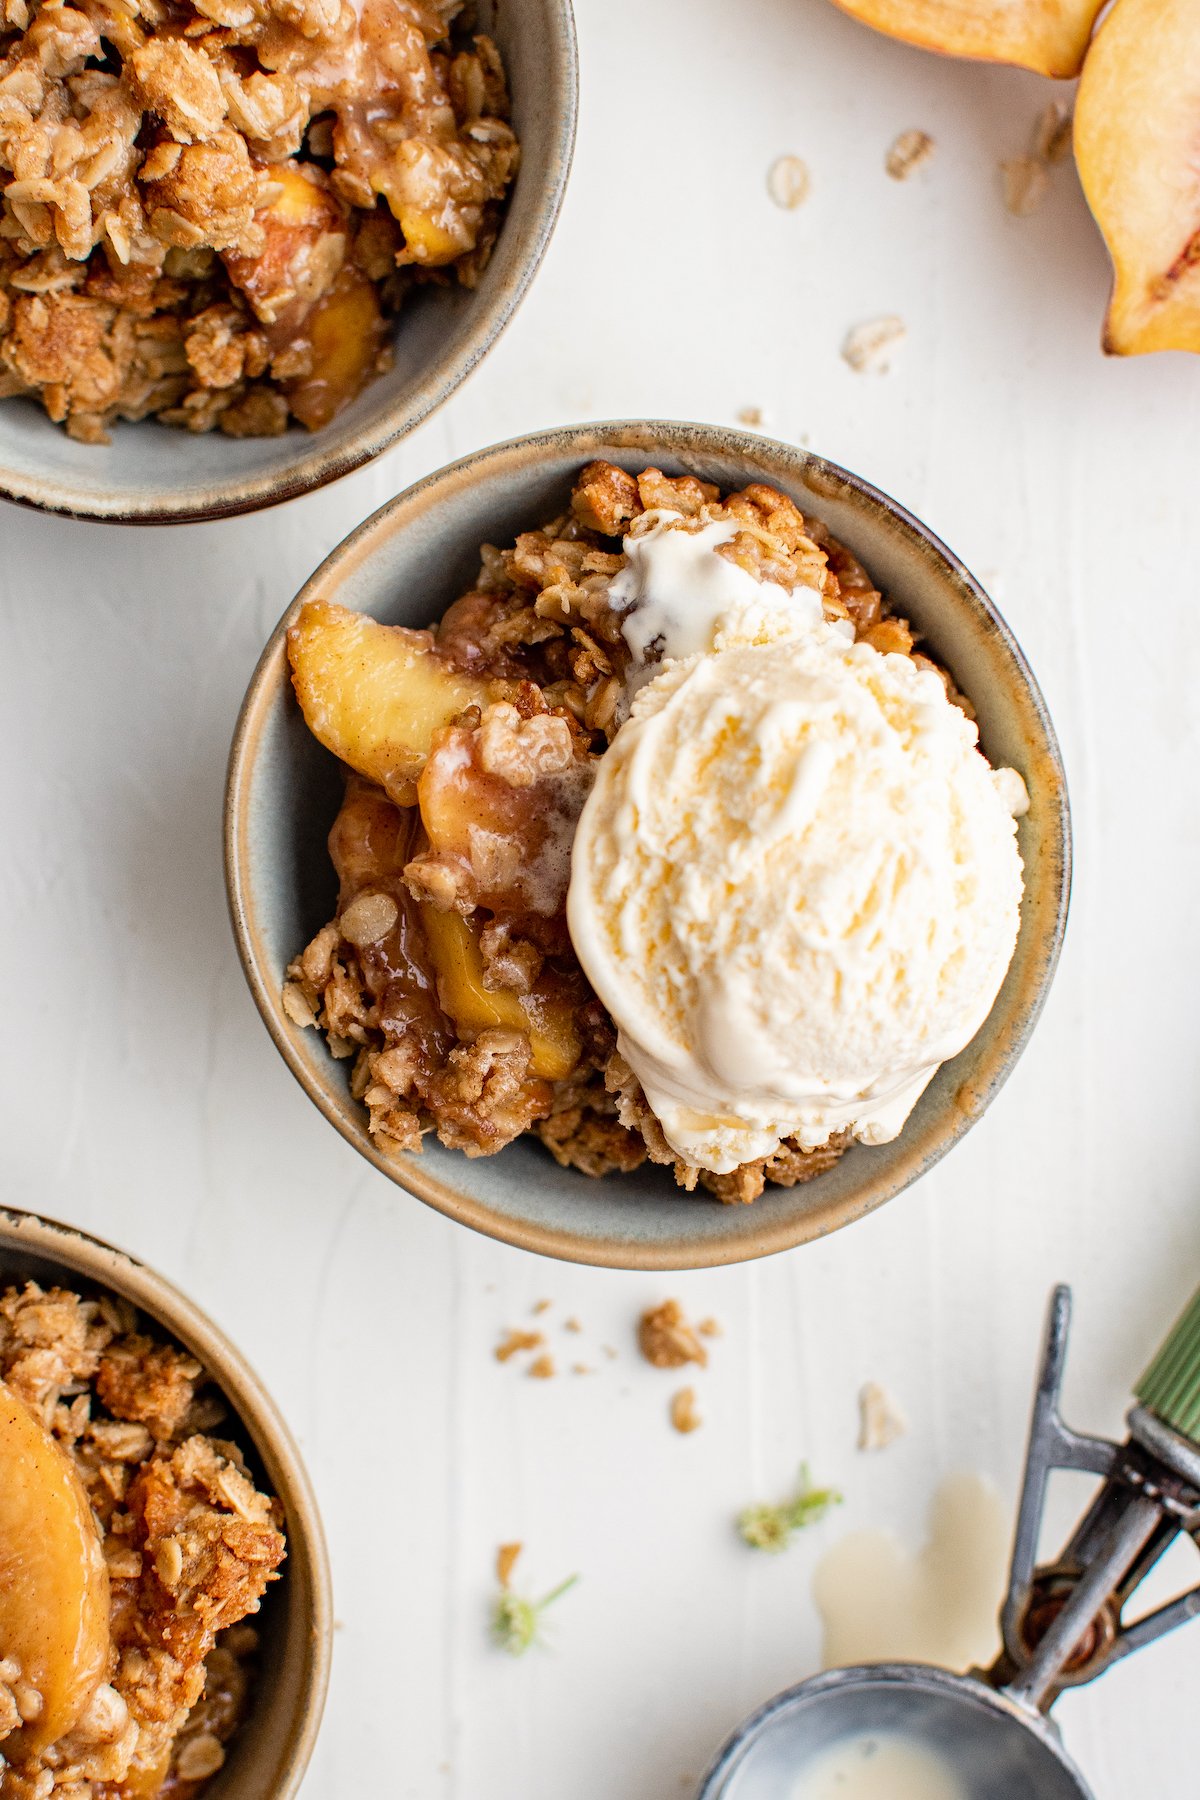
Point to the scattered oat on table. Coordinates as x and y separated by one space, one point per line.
788 182
667 1340
608 1351
910 152
684 1416
572 1324
542 1367
1025 183
880 1420
1052 133
750 415
541 1306
582 1369
866 347
710 1328
516 1341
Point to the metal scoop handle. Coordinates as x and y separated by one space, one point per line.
1064 1624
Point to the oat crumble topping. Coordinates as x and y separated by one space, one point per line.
189 1542
446 976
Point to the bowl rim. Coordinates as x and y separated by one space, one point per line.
120 1272
62 499
679 439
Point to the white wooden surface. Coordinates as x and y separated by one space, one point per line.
142 1097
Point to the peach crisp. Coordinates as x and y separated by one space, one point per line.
133 1544
447 977
210 209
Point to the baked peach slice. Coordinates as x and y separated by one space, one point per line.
346 330
375 694
548 1017
1137 146
1049 36
54 1606
303 230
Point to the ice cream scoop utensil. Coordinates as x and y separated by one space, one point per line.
1063 1623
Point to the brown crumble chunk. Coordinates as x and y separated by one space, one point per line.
542 1367
515 1341
710 1328
666 1340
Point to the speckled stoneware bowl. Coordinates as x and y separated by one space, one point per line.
153 474
267 1758
404 566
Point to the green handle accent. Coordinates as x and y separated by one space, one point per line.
1171 1385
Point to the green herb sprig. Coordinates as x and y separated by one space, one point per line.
517 1621
770 1527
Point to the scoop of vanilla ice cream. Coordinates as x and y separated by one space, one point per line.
796 888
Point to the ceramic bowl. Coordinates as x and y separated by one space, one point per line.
404 565
152 474
267 1758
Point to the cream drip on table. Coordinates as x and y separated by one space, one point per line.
882 1602
795 885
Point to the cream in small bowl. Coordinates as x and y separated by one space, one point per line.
579 511
164 1613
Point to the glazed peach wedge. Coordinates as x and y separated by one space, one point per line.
578 805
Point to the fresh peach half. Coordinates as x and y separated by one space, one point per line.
54 1607
375 694
1049 36
1137 145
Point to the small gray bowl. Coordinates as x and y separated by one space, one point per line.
404 565
153 474
268 1756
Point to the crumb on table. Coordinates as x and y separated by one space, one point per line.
666 1340
684 1416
